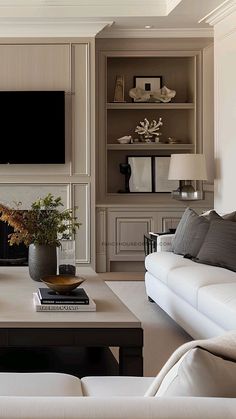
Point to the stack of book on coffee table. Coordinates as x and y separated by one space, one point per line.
46 299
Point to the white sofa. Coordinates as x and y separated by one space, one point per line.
58 396
200 298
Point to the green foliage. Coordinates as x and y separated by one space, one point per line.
44 223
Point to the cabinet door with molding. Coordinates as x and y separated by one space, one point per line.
125 234
168 220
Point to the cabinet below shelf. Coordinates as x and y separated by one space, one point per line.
152 146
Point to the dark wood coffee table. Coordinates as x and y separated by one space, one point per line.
112 325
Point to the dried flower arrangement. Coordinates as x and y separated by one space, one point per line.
44 223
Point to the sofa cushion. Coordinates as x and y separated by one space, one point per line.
186 281
159 264
39 384
190 233
115 386
199 373
218 303
219 246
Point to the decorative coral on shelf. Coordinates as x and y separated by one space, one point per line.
149 130
161 95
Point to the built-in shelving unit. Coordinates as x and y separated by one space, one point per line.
179 116
123 218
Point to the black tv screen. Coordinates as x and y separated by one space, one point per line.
32 127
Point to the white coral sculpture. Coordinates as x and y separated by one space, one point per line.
139 94
149 130
163 95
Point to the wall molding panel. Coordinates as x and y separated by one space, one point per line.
81 202
81 110
27 193
101 239
66 65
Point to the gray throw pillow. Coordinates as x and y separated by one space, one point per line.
230 217
212 215
219 246
190 233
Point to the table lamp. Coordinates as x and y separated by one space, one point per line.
187 168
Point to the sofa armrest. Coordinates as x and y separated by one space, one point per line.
116 408
164 243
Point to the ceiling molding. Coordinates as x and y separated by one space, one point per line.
158 33
220 13
171 5
50 28
84 8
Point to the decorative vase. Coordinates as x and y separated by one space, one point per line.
42 261
66 257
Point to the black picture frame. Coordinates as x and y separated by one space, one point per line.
152 186
160 172
148 83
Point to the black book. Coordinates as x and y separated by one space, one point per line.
48 296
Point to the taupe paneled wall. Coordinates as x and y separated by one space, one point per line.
56 64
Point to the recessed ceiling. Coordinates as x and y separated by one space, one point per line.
89 8
108 17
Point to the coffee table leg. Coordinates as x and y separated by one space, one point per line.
131 361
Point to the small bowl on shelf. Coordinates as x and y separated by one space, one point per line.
62 284
124 140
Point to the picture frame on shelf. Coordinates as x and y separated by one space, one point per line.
161 170
147 83
149 174
141 179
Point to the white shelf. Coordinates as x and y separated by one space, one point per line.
143 105
152 146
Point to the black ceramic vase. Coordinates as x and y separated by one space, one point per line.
42 261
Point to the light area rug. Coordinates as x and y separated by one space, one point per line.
161 334
122 276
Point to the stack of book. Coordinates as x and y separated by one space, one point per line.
47 300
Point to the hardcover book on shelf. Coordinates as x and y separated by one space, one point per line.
68 308
48 296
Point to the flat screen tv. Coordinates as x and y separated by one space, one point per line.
32 127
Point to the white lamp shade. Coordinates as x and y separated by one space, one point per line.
187 167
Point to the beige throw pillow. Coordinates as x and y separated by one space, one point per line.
200 374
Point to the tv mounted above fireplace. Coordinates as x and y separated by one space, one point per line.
32 127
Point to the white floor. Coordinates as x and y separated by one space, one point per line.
161 334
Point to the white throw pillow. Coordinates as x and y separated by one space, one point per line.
200 374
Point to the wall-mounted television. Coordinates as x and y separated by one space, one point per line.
32 127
